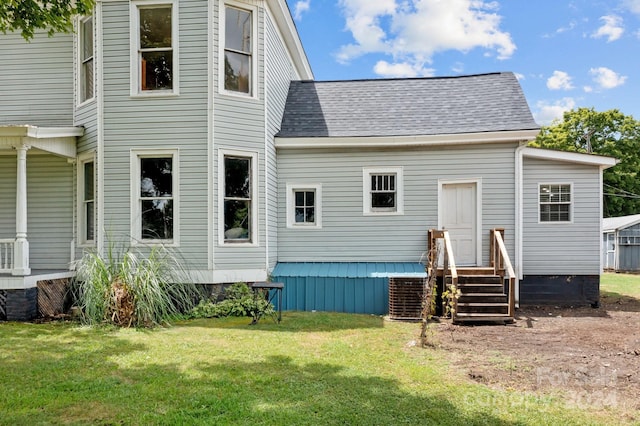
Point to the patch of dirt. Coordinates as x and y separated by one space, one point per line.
590 357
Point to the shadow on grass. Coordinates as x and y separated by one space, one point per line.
619 302
293 321
93 378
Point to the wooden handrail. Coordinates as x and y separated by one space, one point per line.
449 266
502 265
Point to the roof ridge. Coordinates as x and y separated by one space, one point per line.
442 77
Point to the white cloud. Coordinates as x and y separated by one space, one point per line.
548 112
402 69
560 80
414 30
633 5
519 76
300 8
607 78
587 89
612 28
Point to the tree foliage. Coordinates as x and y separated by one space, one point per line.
29 16
609 133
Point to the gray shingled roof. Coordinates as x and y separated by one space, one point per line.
620 222
406 107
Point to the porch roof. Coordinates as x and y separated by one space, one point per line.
55 140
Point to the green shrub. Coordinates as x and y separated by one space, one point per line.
239 301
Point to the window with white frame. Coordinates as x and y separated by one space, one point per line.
304 205
154 33
238 191
555 202
238 50
155 196
85 59
87 195
383 190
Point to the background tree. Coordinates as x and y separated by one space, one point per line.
29 16
609 133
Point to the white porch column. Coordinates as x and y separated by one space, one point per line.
21 246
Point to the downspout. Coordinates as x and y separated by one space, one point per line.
519 170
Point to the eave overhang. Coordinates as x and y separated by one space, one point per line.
55 140
571 157
407 141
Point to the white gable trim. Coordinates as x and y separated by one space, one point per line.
407 141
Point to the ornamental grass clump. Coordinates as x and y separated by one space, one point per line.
129 288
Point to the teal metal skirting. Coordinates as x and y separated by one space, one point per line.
354 287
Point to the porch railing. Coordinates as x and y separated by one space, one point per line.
6 254
501 263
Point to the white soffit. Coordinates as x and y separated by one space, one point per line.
55 140
571 157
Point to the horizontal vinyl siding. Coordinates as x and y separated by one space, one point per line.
347 235
279 73
562 248
173 122
50 211
239 124
36 80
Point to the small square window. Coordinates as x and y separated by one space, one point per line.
383 191
304 205
555 202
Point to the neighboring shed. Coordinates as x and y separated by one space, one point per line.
621 243
353 287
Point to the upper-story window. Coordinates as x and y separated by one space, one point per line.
238 50
155 67
555 202
85 59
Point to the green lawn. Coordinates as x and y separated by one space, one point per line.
620 285
314 368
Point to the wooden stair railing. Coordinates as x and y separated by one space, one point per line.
449 263
501 264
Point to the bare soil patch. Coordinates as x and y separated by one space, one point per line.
590 357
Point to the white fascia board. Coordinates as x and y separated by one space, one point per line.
36 132
288 29
407 141
570 157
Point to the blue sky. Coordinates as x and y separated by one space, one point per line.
566 54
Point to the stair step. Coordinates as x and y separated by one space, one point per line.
479 279
475 288
483 308
483 317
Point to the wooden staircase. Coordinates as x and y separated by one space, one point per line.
484 294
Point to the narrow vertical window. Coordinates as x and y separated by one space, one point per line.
88 202
156 198
155 47
85 48
238 202
555 203
238 50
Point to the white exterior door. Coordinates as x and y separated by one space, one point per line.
459 216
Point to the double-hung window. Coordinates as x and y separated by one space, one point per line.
87 199
85 59
555 202
383 191
155 187
238 193
154 59
238 50
304 205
